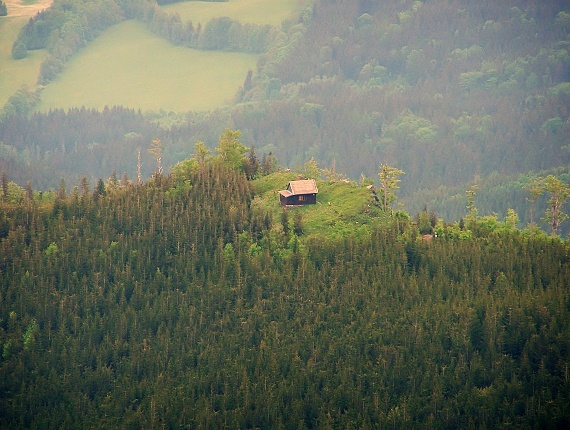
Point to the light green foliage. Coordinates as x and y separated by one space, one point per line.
228 254
182 171
373 73
487 77
311 169
563 19
552 125
410 126
468 127
562 89
464 54
363 20
115 69
51 250
389 180
31 333
14 193
230 150
201 152
471 206
512 218
558 195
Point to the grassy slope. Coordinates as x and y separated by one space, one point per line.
340 206
16 73
130 66
272 12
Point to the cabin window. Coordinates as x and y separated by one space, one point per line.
302 198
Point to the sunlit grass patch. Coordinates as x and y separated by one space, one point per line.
16 73
130 66
341 206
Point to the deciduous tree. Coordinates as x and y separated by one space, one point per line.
389 180
230 149
559 193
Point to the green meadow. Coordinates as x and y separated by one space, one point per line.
16 73
272 12
130 66
341 206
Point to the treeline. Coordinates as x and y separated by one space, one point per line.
217 34
178 1
67 26
173 303
47 147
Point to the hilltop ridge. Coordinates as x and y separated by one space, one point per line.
180 301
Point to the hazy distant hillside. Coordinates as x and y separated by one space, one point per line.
449 92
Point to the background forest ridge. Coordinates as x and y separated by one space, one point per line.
453 94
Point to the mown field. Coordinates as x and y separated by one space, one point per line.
15 73
272 12
130 66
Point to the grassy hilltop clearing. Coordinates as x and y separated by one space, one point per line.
130 66
194 301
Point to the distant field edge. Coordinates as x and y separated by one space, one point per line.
128 65
272 12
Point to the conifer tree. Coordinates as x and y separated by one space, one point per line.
311 169
471 207
4 185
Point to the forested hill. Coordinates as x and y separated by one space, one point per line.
181 302
448 91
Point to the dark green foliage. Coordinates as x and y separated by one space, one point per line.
285 222
19 104
3 9
80 142
19 51
164 305
250 165
298 222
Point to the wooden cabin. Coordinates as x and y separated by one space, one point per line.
299 193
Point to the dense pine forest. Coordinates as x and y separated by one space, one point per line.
181 303
427 288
